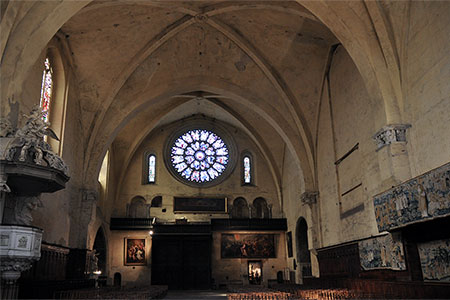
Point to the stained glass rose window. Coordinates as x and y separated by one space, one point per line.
199 156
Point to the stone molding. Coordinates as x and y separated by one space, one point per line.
389 134
309 197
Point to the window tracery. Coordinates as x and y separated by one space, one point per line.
199 156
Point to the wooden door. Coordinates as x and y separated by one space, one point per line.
182 262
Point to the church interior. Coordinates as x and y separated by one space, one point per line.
289 148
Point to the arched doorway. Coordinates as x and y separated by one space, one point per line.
100 248
303 255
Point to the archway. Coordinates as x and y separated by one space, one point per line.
240 209
303 255
101 250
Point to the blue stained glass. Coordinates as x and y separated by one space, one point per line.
189 151
195 146
213 173
177 159
222 159
203 146
218 167
195 176
199 155
210 151
181 167
204 176
222 151
204 135
212 138
204 165
180 143
187 137
195 165
218 144
187 173
195 135
177 151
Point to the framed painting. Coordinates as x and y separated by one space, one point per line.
247 246
199 205
135 252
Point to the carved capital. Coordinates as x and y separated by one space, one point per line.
389 134
309 197
89 196
15 264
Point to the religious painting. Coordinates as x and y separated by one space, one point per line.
289 243
135 252
247 246
255 272
435 260
199 205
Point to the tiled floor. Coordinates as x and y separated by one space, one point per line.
208 294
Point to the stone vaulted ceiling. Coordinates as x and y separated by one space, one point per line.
258 63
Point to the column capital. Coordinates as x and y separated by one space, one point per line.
389 134
309 197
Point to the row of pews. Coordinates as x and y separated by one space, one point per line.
147 292
350 289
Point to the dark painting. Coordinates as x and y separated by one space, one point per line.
207 205
247 246
289 243
135 252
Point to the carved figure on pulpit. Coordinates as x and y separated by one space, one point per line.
24 207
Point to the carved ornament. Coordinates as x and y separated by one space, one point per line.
395 133
309 197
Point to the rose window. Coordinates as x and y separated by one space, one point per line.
199 156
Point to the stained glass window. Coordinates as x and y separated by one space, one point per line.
46 90
151 168
247 170
199 156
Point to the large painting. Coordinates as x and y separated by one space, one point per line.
435 260
135 252
247 246
199 205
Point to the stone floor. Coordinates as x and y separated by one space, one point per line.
204 294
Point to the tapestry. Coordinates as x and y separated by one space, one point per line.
383 252
435 260
424 197
247 246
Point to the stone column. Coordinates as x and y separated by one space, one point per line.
392 154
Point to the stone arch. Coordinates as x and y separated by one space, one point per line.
240 208
260 209
101 248
156 201
138 208
302 248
